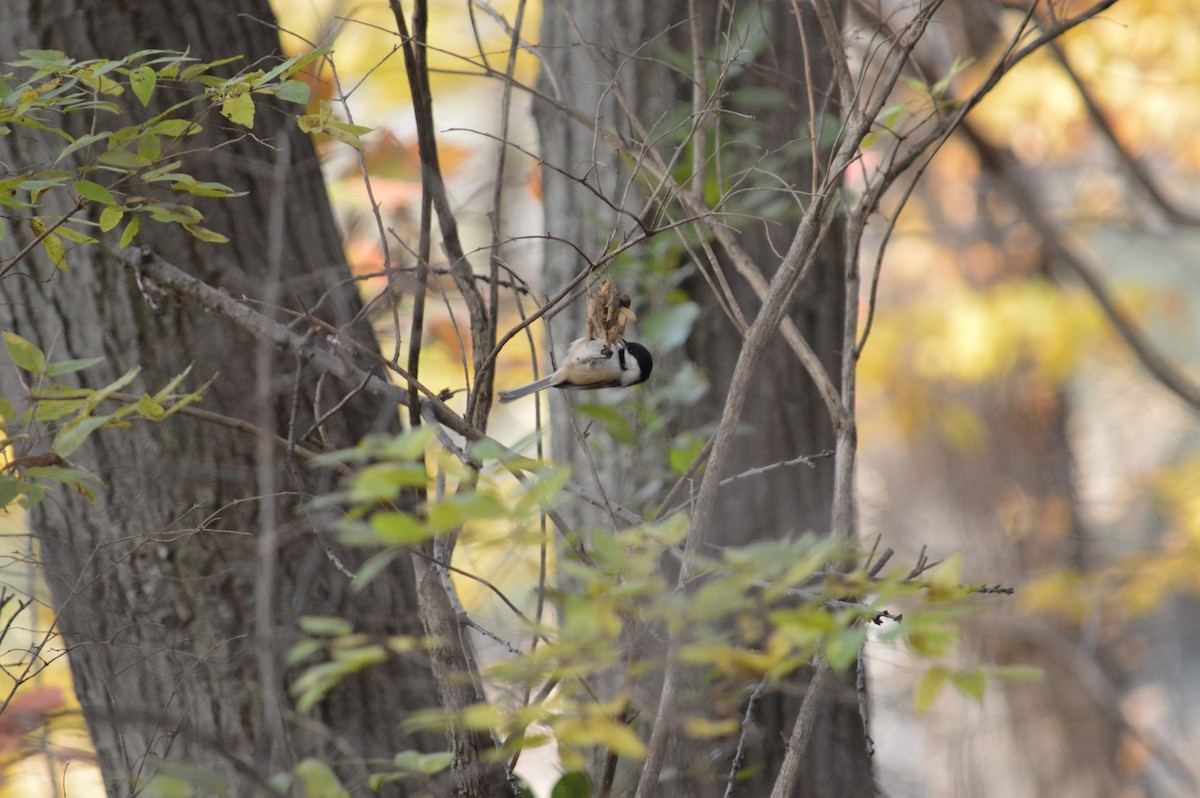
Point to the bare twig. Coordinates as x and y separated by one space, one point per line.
433 185
739 753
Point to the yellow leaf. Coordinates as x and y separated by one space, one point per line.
481 717
54 248
130 231
110 217
931 683
599 731
204 234
703 728
239 109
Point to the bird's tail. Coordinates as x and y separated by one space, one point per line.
524 390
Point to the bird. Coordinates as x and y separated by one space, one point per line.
591 363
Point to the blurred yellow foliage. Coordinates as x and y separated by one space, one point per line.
1178 489
918 354
362 41
1141 54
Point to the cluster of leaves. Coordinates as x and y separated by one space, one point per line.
74 414
752 614
924 356
132 172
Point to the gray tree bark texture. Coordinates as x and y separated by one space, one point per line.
154 582
785 416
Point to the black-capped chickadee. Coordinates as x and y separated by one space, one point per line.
592 364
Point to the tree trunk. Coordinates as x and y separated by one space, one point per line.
155 581
784 416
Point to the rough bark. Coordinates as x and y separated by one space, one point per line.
785 415
154 582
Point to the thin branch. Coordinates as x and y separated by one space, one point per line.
434 185
739 753
809 460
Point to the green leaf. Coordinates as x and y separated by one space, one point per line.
410 445
201 188
3 228
158 172
129 232
382 481
317 780
304 649
74 235
98 396
110 217
971 683
930 684
165 391
842 649
293 91
142 80
684 451
669 328
347 134
44 182
399 528
352 660
538 496
373 567
618 426
81 142
325 625
574 784
54 409
24 354
426 764
124 159
293 64
1018 673
73 435
456 510
194 70
149 146
42 58
239 109
71 366
174 212
9 490
148 408
174 128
